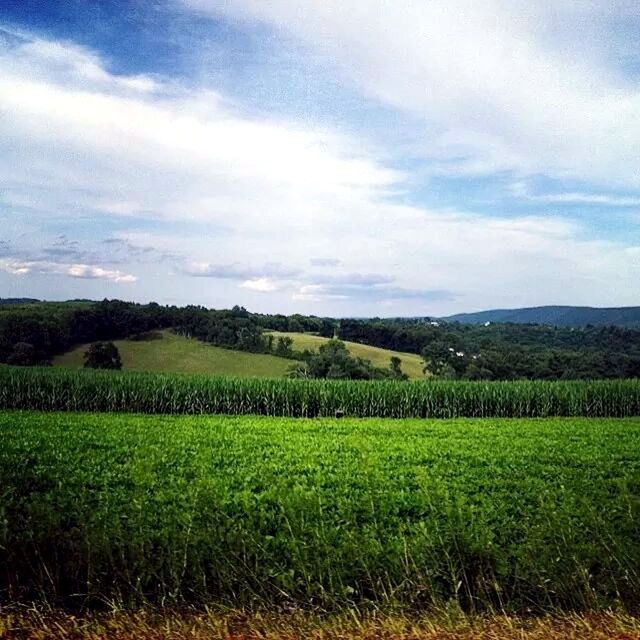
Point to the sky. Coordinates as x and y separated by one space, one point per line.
339 158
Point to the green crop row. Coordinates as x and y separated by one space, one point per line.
511 515
58 390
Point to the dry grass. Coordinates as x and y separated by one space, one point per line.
35 624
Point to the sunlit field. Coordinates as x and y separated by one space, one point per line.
173 353
508 515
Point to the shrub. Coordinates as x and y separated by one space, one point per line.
102 355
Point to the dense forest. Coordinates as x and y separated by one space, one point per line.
32 333
506 351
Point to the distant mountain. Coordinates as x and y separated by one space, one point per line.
560 316
10 301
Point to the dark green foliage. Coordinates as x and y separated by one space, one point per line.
22 354
333 361
506 351
496 352
502 515
396 369
17 301
64 390
53 328
284 347
325 327
102 355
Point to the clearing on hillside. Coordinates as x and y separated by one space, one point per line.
177 354
411 362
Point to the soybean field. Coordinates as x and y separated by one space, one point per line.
501 514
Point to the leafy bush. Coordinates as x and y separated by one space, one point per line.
23 354
102 355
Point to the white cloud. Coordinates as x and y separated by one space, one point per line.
161 151
243 195
85 271
265 285
237 271
500 85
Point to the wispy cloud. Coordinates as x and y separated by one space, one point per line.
84 271
278 212
521 189
588 198
379 294
239 272
498 85
324 262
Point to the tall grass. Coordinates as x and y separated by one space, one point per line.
58 390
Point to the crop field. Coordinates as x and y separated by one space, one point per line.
412 363
508 515
56 389
173 353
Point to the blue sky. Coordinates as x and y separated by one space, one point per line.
339 158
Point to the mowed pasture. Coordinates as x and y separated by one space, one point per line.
178 354
508 515
412 363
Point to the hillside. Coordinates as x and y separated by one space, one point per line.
173 353
411 363
560 316
6 302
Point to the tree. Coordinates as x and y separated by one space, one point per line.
23 354
334 361
102 355
284 346
396 369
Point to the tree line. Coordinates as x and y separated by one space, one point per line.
31 334
506 351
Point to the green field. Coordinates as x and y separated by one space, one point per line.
509 514
60 389
178 354
412 363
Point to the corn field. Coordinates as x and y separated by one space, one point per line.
59 390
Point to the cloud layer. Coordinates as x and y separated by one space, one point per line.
189 197
519 86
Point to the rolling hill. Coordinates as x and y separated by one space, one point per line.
560 316
411 362
173 353
9 302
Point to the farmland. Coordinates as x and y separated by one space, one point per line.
251 511
411 363
174 353
55 389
